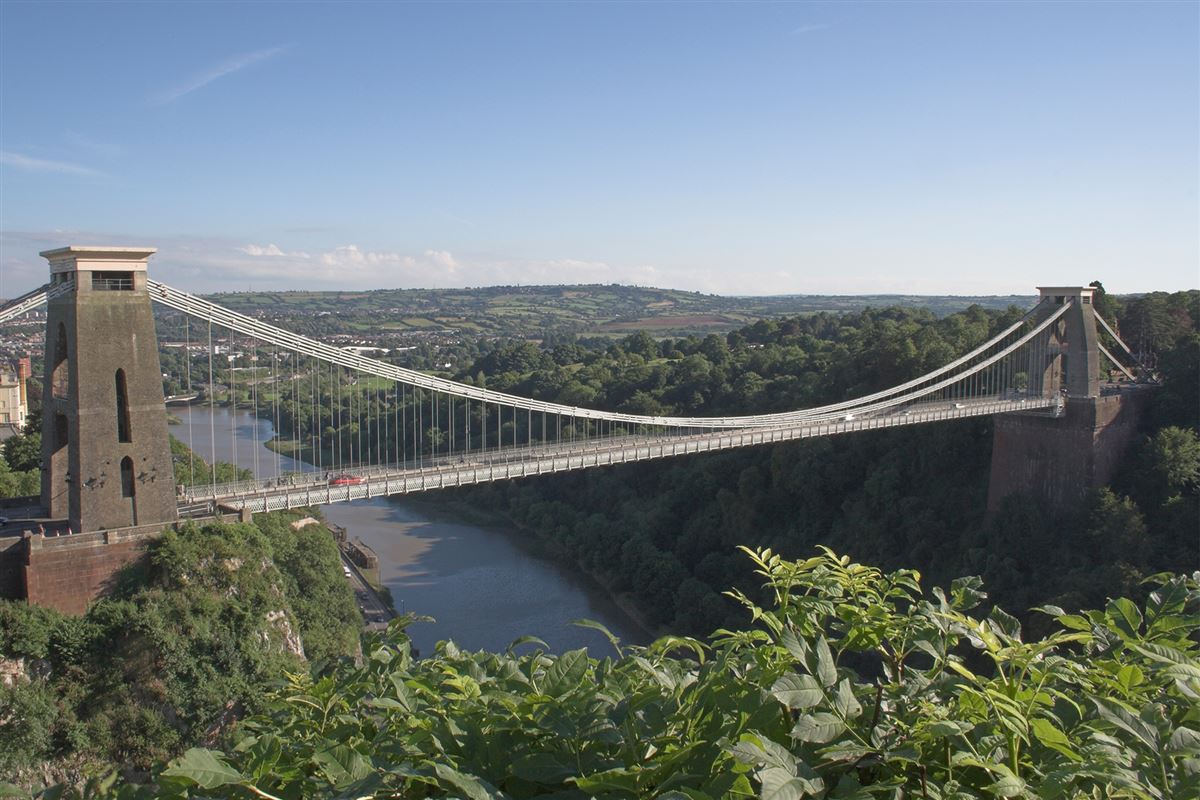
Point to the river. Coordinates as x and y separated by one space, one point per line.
484 586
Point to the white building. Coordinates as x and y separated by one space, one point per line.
14 404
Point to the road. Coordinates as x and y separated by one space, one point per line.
376 613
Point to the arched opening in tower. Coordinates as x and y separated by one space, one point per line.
129 487
58 377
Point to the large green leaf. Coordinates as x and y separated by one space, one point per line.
845 701
1182 671
1128 722
205 768
1163 653
795 646
818 728
1125 616
779 784
1007 786
470 786
1049 735
756 749
1130 676
597 626
263 755
404 694
1184 740
798 691
949 728
342 765
826 671
566 673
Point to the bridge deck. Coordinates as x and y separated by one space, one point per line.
308 489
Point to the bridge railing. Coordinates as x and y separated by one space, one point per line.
386 481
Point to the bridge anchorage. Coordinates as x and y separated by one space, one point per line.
370 428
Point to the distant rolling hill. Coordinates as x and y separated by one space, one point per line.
587 309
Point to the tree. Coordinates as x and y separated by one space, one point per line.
1169 466
1178 401
642 344
24 451
1107 306
1116 530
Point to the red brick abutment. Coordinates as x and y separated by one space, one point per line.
68 572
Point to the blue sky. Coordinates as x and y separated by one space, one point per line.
964 148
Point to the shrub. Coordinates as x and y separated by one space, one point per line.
851 684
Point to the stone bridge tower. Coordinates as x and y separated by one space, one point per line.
1060 459
106 457
1072 361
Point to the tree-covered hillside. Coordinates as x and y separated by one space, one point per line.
187 643
664 532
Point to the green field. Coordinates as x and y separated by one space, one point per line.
535 311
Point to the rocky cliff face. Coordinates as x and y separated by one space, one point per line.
22 670
280 622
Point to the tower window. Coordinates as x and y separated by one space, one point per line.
59 376
127 487
112 281
124 430
61 434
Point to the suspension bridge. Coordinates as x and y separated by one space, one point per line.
368 428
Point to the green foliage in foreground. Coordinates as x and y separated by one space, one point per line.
851 684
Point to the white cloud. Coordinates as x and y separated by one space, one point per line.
211 264
442 258
219 71
257 250
43 165
350 266
349 255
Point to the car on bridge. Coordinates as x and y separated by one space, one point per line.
346 480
